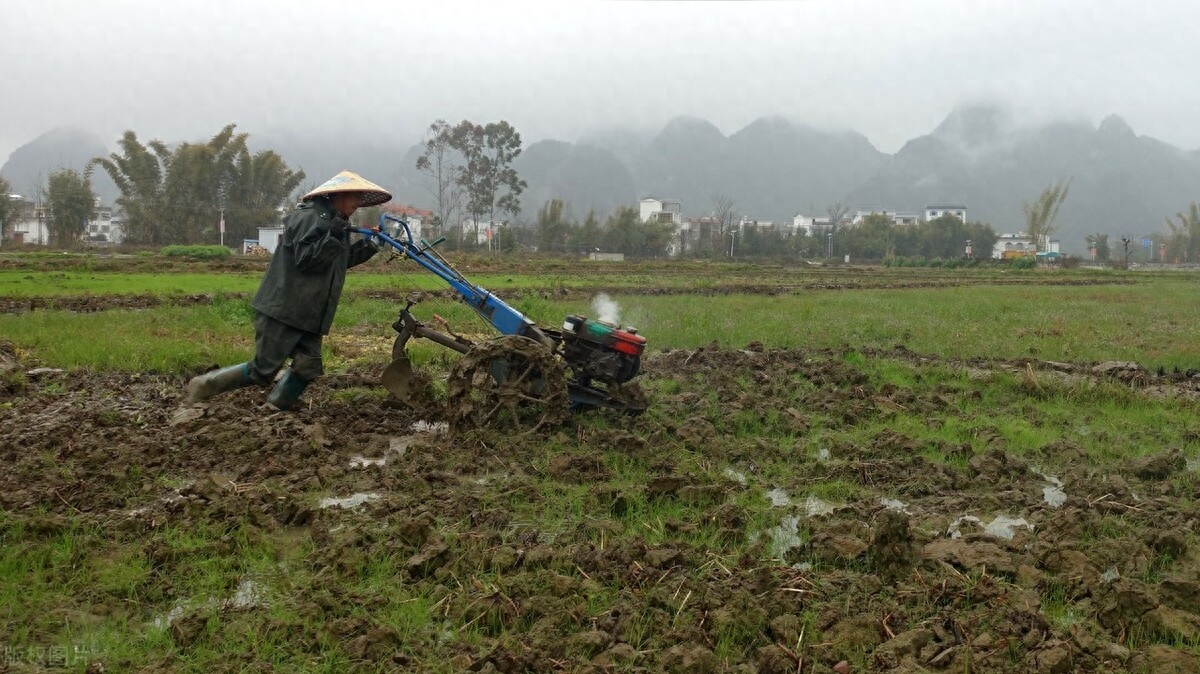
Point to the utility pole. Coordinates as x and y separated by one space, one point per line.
222 227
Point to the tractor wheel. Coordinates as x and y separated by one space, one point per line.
510 383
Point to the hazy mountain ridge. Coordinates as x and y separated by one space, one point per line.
1120 182
775 167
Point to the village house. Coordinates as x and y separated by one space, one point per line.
418 219
1013 246
935 211
33 224
898 218
670 211
810 225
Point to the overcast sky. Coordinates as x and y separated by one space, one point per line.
892 70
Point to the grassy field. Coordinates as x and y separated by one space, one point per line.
1155 322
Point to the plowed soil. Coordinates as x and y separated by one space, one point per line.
699 537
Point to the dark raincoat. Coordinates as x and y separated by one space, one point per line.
304 281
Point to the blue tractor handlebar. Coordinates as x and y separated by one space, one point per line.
492 309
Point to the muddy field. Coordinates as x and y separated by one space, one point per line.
775 511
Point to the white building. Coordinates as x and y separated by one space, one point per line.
760 226
483 232
810 225
1009 246
104 228
661 210
31 225
935 211
268 237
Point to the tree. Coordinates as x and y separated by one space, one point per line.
837 213
724 216
442 165
138 171
253 189
10 209
1040 215
70 203
489 182
1184 241
1099 243
590 235
553 228
178 195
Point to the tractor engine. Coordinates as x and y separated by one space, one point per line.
602 351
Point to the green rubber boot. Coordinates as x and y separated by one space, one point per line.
287 391
209 384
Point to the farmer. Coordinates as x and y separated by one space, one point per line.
299 294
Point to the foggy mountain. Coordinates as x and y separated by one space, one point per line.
29 167
1121 182
774 168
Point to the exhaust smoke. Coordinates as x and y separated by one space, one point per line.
606 309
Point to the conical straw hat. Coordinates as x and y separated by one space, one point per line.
348 181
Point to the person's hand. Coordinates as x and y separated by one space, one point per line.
339 225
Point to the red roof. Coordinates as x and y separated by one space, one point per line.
402 210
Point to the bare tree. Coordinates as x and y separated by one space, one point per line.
442 165
1040 215
723 219
10 209
837 213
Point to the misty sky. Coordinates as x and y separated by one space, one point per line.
892 70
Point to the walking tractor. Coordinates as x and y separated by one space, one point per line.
527 378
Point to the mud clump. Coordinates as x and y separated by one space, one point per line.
892 551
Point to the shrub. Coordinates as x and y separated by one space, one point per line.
197 252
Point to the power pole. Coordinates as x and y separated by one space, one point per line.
222 227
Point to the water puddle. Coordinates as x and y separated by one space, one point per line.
736 476
359 461
815 507
352 501
249 594
1006 527
779 498
895 505
1053 494
1002 526
430 427
785 536
398 446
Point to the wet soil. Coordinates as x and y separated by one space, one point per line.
926 565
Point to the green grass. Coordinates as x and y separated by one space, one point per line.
1155 323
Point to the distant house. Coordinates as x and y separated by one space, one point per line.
268 238
758 226
935 211
483 231
670 211
417 218
31 225
1012 246
104 228
898 218
696 234
810 225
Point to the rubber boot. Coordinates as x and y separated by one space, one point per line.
207 385
287 391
